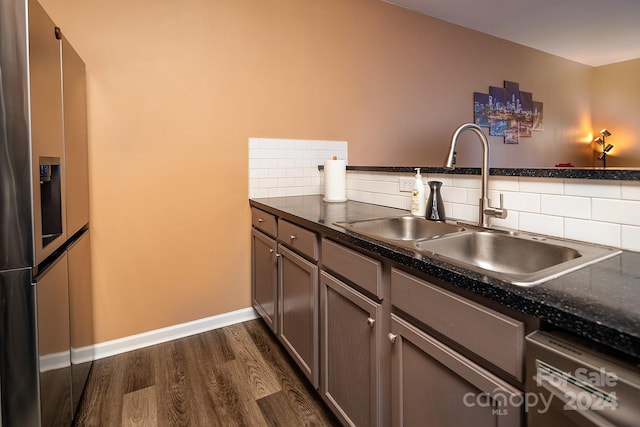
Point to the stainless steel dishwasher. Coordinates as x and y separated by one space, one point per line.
570 384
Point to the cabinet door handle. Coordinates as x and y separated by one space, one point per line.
271 251
260 219
392 337
293 237
371 321
278 255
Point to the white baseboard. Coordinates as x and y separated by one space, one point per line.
53 361
146 339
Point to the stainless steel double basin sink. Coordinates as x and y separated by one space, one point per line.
514 257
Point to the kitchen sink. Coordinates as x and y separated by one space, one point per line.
405 228
514 257
519 259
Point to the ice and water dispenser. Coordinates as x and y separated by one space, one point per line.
50 199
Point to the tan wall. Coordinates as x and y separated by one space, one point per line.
176 88
616 106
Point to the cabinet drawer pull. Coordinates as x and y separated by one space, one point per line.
392 337
260 219
371 321
293 237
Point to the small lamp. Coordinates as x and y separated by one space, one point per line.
605 147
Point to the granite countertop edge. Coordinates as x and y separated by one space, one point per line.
597 173
553 301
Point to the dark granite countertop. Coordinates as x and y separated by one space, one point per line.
612 173
599 302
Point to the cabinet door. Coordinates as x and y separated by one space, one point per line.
298 308
264 286
350 353
432 385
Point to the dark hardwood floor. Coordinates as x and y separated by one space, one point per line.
233 376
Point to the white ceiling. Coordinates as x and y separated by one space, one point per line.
592 32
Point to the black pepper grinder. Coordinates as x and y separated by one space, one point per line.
435 206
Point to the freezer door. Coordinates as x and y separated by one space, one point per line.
18 350
16 247
81 314
53 344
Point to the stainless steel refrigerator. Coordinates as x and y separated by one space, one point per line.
46 326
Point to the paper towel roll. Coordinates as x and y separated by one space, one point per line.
335 180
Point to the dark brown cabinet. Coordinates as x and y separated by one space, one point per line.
433 385
264 286
298 310
351 336
284 286
384 346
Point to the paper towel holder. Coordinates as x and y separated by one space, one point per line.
335 180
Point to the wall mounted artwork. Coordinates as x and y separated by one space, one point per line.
507 111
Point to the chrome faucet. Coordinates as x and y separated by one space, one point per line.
485 209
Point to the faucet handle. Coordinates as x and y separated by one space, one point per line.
500 212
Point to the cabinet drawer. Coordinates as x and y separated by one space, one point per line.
263 221
299 239
353 266
501 341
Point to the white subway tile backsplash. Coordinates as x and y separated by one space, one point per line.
463 212
360 196
473 196
541 185
258 173
281 167
454 194
313 189
630 237
511 221
267 143
372 186
277 173
277 192
295 171
286 182
604 233
618 211
400 202
389 187
541 224
574 207
295 191
504 183
258 193
254 183
268 183
585 187
446 180
630 190
466 181
527 202
380 199
448 208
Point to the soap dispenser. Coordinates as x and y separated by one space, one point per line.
418 199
